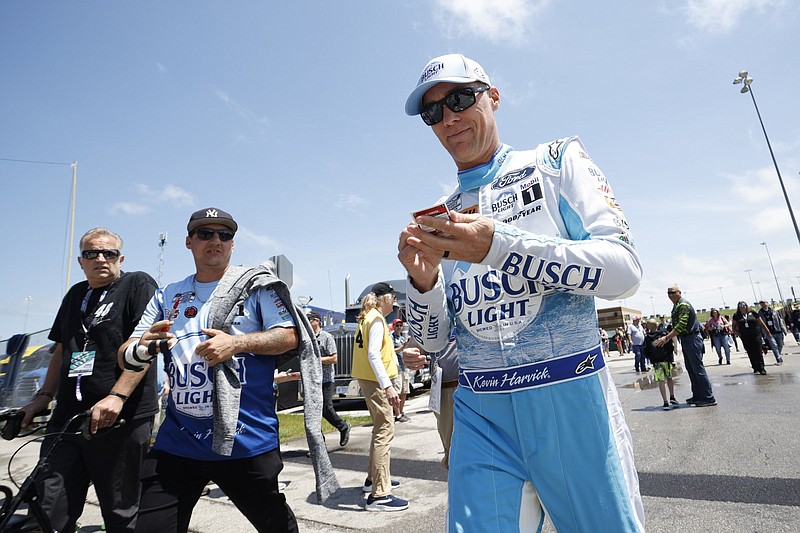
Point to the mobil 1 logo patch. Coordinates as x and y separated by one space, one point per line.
531 192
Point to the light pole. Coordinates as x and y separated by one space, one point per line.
755 298
28 300
764 244
759 292
653 306
162 242
745 81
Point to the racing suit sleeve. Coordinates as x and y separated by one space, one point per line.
376 337
595 257
429 323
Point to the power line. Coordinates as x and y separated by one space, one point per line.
35 162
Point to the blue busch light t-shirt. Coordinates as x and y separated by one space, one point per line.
187 430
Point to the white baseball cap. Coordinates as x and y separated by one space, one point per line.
454 68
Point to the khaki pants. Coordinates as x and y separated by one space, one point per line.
382 435
444 422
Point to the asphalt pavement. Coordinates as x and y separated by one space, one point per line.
730 468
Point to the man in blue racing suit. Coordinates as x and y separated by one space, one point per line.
532 238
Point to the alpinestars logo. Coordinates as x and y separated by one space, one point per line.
211 213
586 364
555 148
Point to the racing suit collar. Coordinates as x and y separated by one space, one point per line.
485 173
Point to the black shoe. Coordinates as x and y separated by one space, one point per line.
720 361
763 372
673 401
368 484
344 435
665 407
729 362
709 403
691 400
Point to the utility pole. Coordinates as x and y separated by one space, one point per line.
28 300
162 242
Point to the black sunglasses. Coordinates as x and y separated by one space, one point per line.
672 292
457 101
206 234
110 255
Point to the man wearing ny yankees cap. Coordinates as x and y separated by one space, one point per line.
532 237
209 363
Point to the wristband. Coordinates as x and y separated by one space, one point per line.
118 395
137 357
45 393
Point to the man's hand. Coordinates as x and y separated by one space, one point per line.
220 347
37 405
392 396
414 360
423 268
283 377
464 238
105 413
661 341
158 331
136 355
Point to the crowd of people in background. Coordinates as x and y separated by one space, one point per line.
223 330
761 329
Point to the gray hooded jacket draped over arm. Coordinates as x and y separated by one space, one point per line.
234 287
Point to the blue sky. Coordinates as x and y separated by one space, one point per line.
290 116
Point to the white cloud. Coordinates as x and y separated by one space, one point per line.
722 16
265 242
161 68
259 124
131 208
351 202
233 105
147 199
496 21
174 194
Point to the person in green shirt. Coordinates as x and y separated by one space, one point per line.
686 327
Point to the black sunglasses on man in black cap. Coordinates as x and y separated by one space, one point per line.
212 215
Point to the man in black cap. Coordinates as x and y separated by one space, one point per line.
327 348
205 437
